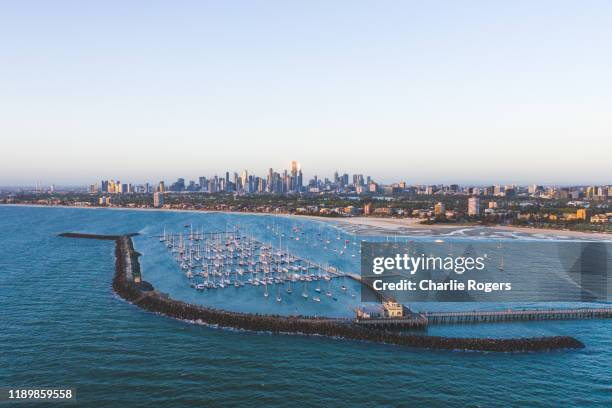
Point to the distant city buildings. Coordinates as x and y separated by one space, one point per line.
435 202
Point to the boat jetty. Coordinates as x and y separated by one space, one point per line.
128 283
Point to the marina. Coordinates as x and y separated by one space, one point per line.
128 283
223 260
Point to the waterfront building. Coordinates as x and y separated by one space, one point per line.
393 308
474 206
158 199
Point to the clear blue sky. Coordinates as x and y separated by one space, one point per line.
427 91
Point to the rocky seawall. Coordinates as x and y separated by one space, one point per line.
128 285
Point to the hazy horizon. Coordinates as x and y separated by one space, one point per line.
447 92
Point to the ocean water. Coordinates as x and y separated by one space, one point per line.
62 326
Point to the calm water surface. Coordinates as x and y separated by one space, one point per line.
61 325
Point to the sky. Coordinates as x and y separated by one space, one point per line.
424 92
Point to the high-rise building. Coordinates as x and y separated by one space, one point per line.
245 181
158 200
474 206
295 167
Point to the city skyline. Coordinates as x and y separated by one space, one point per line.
388 89
288 170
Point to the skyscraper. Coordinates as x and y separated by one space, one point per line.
245 181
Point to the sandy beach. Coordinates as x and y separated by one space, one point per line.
392 226
412 226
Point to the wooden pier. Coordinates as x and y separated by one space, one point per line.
415 321
517 315
420 320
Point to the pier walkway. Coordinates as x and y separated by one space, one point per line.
515 315
431 318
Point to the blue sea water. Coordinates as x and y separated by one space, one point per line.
61 325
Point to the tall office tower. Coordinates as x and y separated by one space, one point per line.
269 180
335 177
299 181
104 186
278 183
292 184
295 167
161 187
285 182
251 182
244 179
227 180
474 206
158 199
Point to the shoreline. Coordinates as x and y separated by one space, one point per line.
371 225
144 296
